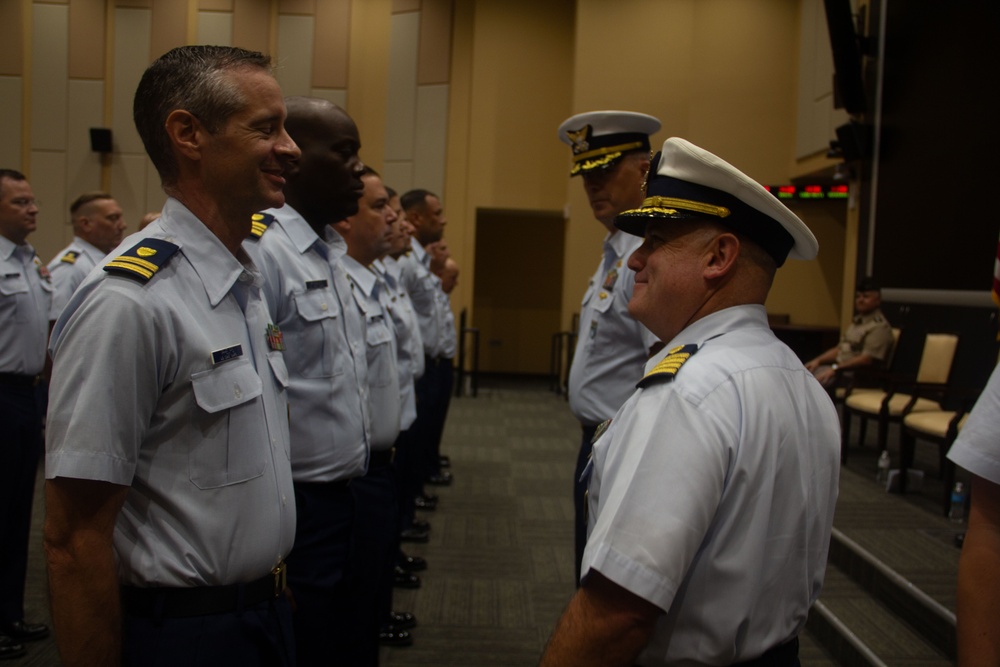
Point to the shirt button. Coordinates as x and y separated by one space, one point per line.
323 307
237 392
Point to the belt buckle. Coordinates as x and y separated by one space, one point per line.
280 573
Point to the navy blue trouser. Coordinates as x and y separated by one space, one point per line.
317 571
257 636
372 560
580 497
20 450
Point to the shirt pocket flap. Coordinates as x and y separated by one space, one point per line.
377 333
602 300
13 283
316 305
277 361
226 386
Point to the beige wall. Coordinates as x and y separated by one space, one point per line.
462 97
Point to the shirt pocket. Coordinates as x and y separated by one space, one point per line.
280 372
233 446
13 297
319 311
380 366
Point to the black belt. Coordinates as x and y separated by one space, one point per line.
779 656
380 458
18 380
202 600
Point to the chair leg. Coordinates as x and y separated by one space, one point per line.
907 447
883 433
862 428
948 473
845 433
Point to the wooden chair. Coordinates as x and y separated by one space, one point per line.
865 379
899 396
940 427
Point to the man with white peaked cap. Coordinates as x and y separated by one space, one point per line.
611 155
712 491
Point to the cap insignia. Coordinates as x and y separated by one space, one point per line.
579 138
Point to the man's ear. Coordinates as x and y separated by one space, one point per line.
186 133
721 256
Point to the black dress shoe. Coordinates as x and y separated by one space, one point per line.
425 504
444 462
414 535
420 524
390 636
443 478
20 631
403 579
411 563
10 649
402 620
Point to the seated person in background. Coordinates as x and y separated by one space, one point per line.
866 343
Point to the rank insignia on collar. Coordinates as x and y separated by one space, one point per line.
667 369
275 339
610 279
259 223
70 257
142 261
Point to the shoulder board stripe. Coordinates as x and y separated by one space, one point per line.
259 223
70 257
143 260
667 368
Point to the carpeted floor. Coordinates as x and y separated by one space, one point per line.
500 551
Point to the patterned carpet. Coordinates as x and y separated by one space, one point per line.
500 551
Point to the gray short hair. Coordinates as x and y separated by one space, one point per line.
190 78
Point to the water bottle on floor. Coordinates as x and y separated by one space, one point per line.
883 467
957 510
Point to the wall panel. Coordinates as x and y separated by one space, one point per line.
83 166
294 57
49 76
251 25
401 116
10 123
332 44
132 44
48 169
86 39
215 28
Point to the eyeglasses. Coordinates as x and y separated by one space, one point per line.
24 202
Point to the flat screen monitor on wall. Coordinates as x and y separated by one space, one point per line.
936 217
849 90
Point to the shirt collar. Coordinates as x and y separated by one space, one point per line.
861 319
621 243
418 251
360 275
713 325
215 265
89 249
7 247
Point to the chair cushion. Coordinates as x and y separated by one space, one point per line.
871 403
933 423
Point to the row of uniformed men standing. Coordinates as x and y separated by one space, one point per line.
351 320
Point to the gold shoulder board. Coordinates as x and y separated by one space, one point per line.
667 369
142 261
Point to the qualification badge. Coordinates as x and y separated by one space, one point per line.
275 339
610 279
